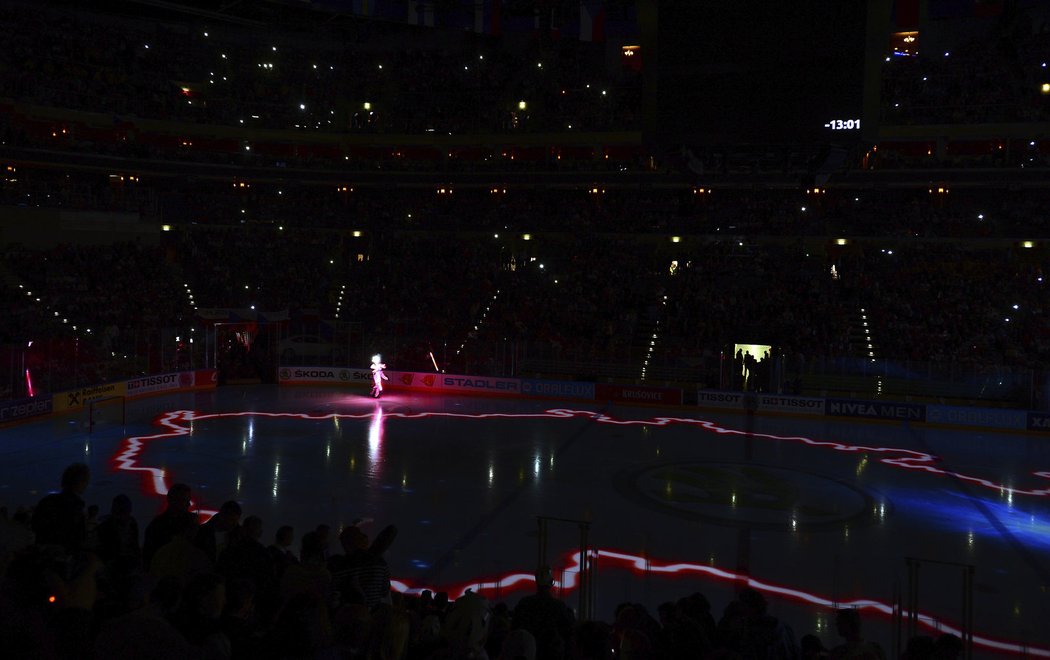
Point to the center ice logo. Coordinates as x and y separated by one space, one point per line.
746 495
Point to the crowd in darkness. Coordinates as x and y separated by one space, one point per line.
450 271
993 77
317 80
77 584
421 269
924 213
943 277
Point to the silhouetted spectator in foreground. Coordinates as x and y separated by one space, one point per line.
118 534
519 645
547 618
162 528
847 622
144 632
681 637
238 624
948 647
310 576
199 613
361 575
246 557
179 558
812 648
590 640
747 628
281 555
919 647
223 522
59 518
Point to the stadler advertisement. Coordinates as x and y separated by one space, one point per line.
480 384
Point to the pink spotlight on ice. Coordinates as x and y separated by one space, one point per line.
377 375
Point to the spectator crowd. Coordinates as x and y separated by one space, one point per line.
77 584
345 76
452 272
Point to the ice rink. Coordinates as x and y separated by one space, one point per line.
816 514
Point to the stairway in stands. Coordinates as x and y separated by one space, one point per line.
863 345
647 334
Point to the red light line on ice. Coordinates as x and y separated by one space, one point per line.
155 478
906 459
512 582
179 423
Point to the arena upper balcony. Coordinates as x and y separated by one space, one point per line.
958 84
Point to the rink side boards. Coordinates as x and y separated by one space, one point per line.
999 419
135 388
956 417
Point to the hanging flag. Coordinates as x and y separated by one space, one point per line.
988 8
390 10
487 14
420 12
522 18
906 14
592 20
455 16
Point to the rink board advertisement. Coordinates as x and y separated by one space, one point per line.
323 376
798 404
409 380
479 384
451 383
714 399
205 378
760 402
25 408
992 418
529 387
557 389
905 412
1039 421
159 383
636 394
78 398
178 381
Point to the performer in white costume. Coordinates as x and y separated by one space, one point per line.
377 375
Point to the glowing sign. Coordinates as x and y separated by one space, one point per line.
843 124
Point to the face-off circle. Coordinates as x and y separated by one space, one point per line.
746 495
